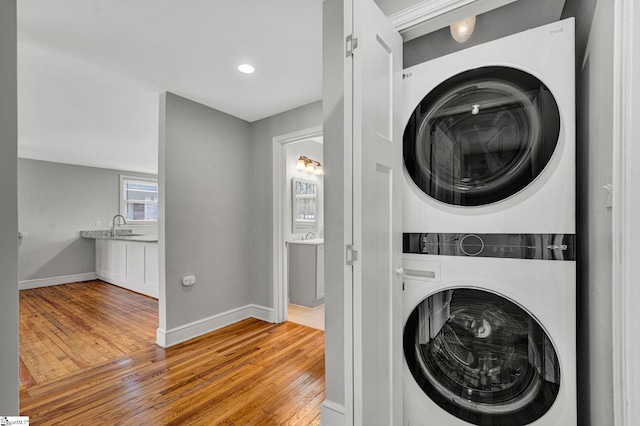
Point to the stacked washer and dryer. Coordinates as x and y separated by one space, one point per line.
489 234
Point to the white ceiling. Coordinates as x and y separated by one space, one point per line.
90 71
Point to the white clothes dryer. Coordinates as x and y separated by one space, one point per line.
489 340
489 141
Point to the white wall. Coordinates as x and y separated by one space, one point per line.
205 211
9 382
390 7
55 202
78 112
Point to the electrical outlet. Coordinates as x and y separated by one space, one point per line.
98 224
189 280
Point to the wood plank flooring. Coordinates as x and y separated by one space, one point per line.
249 373
71 327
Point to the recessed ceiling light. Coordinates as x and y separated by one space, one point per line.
246 68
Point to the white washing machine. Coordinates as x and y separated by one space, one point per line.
489 340
489 142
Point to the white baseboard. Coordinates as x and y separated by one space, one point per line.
171 337
151 290
332 414
46 282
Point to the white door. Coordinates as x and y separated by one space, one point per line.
377 234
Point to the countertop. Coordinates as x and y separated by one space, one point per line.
314 241
121 235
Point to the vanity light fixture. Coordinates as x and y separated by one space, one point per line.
462 30
246 69
310 166
301 165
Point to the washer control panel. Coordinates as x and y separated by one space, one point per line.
514 246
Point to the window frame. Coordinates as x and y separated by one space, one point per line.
303 225
124 202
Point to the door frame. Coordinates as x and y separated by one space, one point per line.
279 278
625 214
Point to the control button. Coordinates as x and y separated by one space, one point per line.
471 245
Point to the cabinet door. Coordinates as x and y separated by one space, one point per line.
151 273
102 258
118 259
135 263
302 274
320 272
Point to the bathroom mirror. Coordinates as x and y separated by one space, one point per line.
305 205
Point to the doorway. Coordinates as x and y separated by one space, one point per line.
306 233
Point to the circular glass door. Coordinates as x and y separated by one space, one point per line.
481 357
481 136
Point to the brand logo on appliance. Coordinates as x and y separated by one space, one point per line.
406 75
557 247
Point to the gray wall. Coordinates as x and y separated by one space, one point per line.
594 112
9 401
260 188
55 202
333 118
205 207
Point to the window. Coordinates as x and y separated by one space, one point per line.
139 200
305 202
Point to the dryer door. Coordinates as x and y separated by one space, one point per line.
481 357
481 136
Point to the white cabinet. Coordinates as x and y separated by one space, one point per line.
129 264
306 274
151 266
102 258
118 260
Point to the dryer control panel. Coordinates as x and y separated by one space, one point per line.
514 246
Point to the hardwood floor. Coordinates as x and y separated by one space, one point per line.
251 372
71 327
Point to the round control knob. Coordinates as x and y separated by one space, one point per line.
471 245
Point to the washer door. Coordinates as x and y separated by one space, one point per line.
481 357
481 136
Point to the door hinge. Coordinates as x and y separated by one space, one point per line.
351 255
352 44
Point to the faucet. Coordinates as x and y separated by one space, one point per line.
113 224
306 237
